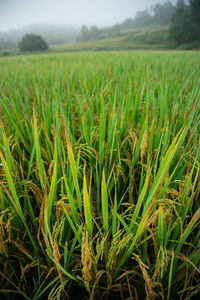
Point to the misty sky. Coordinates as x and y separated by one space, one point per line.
19 13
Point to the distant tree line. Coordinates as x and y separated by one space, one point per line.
159 14
95 33
185 23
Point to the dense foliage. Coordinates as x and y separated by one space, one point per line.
99 176
185 25
32 42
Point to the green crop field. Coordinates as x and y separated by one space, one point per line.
99 176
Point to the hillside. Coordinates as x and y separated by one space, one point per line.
151 37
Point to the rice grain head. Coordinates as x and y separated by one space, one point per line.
144 145
86 260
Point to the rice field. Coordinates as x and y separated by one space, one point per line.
99 176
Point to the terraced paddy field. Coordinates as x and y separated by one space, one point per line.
99 176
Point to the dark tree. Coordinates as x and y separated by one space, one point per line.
180 5
163 13
182 29
159 14
185 25
143 18
85 34
32 42
195 10
94 32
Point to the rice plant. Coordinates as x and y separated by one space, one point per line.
99 176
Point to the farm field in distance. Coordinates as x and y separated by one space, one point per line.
141 38
99 176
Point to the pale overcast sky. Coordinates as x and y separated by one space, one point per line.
19 13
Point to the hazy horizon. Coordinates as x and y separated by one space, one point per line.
15 14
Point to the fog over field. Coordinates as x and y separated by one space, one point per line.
15 14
